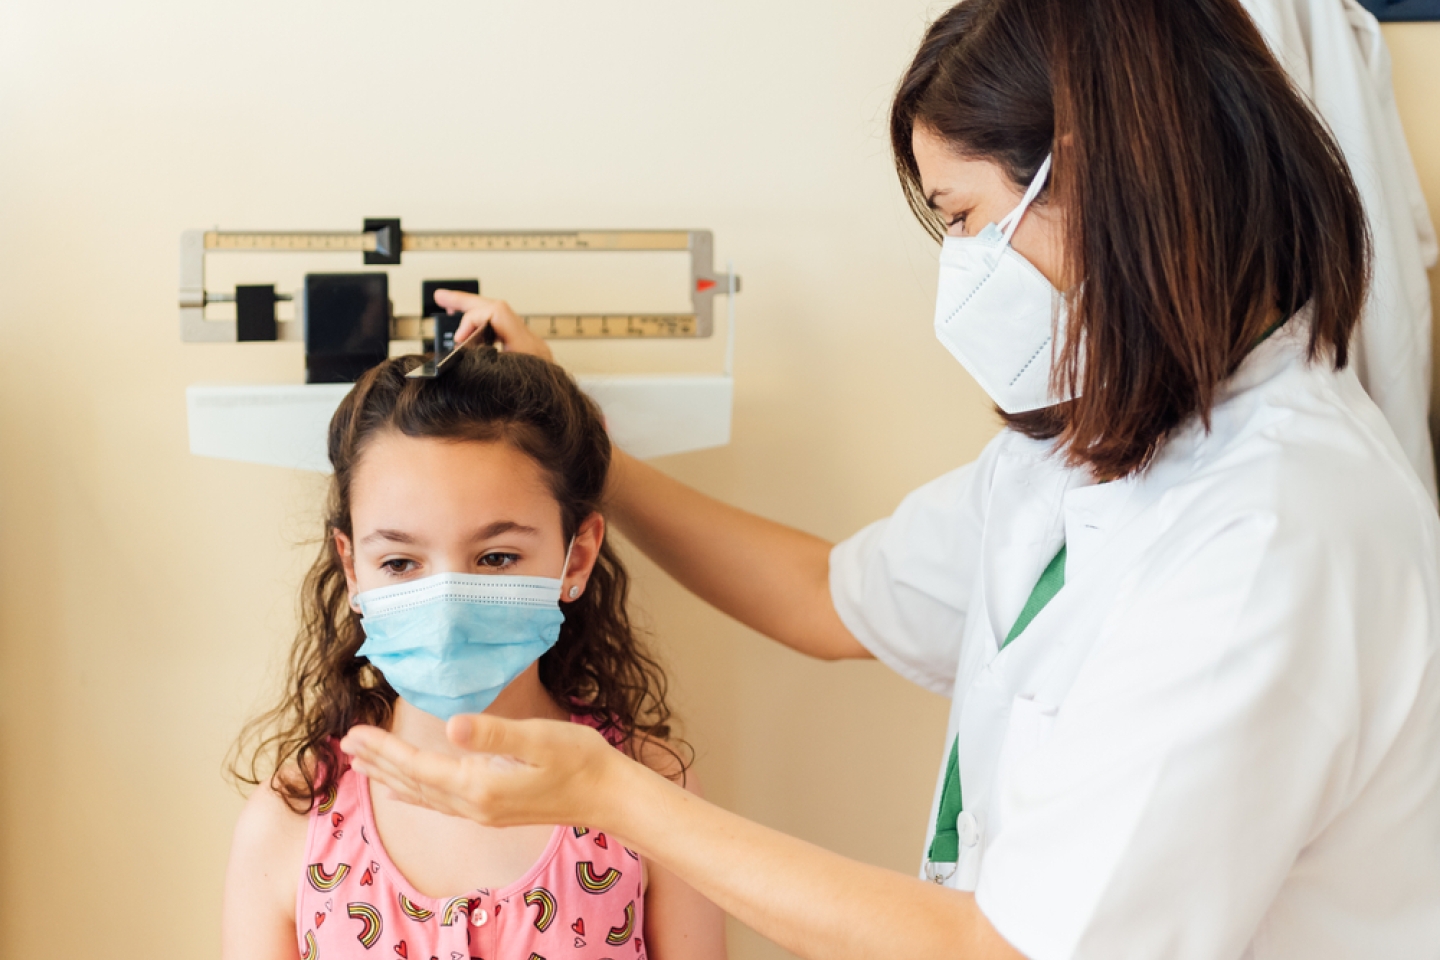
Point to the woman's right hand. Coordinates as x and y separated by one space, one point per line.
510 331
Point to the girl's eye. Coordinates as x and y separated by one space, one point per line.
499 561
398 567
957 223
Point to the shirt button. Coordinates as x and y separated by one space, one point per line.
968 828
478 917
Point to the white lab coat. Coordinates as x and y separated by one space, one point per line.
1221 738
1334 52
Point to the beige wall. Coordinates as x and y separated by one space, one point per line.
147 596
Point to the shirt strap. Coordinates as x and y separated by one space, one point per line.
1049 584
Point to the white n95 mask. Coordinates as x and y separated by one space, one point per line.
998 315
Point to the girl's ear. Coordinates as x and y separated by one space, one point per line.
586 550
347 560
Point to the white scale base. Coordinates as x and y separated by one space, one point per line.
285 425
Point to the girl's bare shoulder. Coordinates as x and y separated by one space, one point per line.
267 859
271 829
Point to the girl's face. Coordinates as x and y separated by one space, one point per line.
421 507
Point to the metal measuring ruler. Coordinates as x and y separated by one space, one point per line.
383 242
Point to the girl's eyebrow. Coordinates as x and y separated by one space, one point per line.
484 533
503 526
394 536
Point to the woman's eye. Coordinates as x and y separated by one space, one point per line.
957 223
398 567
499 561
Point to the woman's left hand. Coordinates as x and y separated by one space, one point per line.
513 772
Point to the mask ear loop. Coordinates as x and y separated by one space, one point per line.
1011 223
574 591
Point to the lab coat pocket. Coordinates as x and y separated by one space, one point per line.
1031 722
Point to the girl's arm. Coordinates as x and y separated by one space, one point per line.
772 578
815 903
258 921
680 924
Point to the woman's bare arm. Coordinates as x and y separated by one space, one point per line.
680 924
772 578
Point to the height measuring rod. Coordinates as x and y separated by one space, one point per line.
382 242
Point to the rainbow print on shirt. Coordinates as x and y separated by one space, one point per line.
590 883
413 911
370 923
545 900
620 934
325 882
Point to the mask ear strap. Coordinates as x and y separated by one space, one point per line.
566 569
1011 223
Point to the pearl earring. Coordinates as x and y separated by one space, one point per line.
574 592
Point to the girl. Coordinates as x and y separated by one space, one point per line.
466 571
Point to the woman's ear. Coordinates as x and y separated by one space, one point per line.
583 554
347 561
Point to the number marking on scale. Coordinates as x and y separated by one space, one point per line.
611 326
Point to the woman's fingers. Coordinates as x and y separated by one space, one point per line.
376 747
481 312
479 733
511 772
462 786
388 759
423 778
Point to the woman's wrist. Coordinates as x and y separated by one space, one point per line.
624 788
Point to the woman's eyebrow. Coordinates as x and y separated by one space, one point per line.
503 526
937 192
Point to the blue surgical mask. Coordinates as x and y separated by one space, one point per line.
450 643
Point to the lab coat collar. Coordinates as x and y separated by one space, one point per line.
1092 514
1269 358
1063 506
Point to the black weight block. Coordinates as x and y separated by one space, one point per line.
347 325
255 313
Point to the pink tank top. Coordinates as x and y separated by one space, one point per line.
582 900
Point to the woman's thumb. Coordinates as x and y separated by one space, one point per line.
481 734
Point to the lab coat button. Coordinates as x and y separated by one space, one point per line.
968 828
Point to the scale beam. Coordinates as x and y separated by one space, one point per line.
383 242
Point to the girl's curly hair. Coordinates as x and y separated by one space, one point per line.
599 666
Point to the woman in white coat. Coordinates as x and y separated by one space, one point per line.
1185 603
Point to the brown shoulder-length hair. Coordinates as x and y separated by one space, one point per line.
1199 197
599 667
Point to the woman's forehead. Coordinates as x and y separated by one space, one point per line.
948 175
